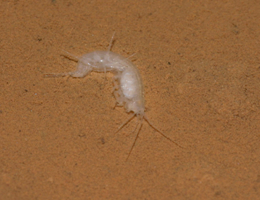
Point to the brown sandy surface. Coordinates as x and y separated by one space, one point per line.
201 71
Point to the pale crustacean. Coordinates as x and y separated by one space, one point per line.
128 85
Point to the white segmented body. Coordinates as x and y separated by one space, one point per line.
98 61
132 89
128 89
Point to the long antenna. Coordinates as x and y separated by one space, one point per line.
139 129
148 121
125 123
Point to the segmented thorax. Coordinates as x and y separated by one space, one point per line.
130 82
132 89
101 61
